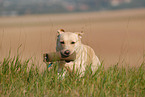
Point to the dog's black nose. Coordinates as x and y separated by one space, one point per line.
67 52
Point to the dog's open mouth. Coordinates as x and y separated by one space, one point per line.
64 56
68 58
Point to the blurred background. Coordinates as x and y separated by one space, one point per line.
22 7
115 29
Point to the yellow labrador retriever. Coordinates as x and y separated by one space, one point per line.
70 42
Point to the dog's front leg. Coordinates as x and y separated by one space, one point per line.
61 72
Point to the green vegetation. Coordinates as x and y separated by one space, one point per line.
17 80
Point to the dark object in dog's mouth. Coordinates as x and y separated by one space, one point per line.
58 56
63 56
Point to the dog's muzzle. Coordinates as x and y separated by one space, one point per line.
63 55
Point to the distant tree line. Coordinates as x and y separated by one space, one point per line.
20 7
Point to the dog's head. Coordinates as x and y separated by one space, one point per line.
68 42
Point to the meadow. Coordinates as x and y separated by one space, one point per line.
19 81
117 37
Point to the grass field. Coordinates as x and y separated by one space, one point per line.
16 79
118 38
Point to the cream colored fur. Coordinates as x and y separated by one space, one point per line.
84 54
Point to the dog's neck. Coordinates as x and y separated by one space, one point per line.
78 50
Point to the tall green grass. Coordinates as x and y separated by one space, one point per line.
17 80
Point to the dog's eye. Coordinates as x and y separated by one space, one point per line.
62 42
72 42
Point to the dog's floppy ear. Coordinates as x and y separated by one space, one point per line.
60 31
80 34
